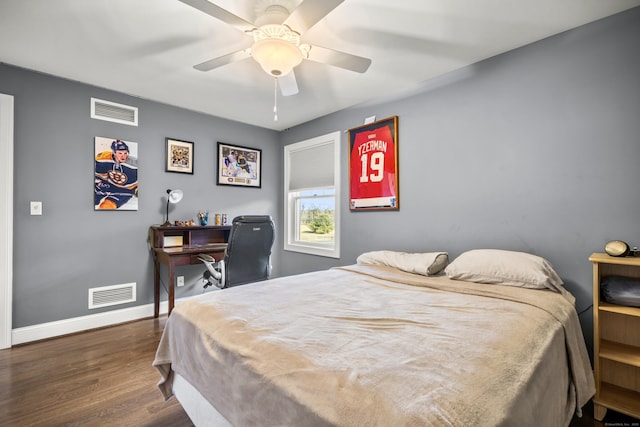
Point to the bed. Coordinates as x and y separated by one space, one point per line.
396 339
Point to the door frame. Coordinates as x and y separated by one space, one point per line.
6 218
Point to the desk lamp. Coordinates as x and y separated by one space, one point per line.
173 197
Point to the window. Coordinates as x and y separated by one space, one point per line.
312 196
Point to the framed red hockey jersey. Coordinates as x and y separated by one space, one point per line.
373 166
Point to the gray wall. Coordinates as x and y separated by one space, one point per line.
70 248
535 150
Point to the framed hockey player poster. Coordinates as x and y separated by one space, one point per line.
239 166
179 156
373 166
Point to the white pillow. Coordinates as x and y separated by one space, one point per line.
502 267
427 263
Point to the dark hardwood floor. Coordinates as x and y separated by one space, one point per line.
104 377
99 378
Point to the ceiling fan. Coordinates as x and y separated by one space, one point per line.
276 44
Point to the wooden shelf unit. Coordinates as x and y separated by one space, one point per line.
161 236
616 341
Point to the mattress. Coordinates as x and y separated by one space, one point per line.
373 345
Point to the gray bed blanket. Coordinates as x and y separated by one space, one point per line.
371 345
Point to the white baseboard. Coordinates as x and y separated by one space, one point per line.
83 323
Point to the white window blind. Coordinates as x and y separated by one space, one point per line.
312 167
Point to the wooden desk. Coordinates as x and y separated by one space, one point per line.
179 245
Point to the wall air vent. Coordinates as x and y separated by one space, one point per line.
112 112
112 295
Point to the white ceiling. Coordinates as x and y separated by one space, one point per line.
147 48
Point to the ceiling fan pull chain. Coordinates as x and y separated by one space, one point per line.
275 100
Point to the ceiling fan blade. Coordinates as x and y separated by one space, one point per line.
339 59
223 60
309 12
220 13
288 84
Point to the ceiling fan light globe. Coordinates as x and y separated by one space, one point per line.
277 57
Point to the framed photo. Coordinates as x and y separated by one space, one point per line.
239 166
115 180
179 156
373 166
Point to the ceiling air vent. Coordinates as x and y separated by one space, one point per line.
112 295
112 112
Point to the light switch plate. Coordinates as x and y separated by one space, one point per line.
36 208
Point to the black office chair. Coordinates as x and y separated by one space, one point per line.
248 255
